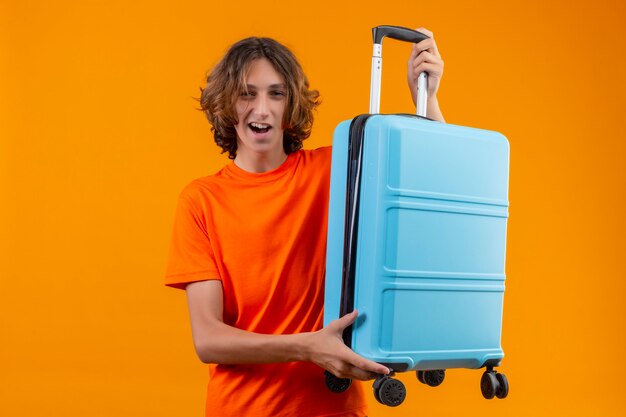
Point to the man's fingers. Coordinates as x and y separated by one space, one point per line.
427 45
354 372
431 62
414 52
431 69
346 320
374 367
425 57
367 365
425 32
362 375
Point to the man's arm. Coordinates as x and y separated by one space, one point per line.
217 342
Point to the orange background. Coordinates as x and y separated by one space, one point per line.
99 133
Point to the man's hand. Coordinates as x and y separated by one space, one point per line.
425 57
327 350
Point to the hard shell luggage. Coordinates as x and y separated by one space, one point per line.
416 242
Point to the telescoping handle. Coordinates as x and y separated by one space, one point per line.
401 34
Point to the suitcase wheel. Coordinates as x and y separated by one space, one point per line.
389 391
488 384
503 386
420 377
432 378
493 384
337 385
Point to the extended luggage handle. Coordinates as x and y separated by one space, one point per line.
401 34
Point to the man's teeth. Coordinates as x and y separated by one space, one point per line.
260 127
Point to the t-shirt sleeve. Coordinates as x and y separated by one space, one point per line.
191 256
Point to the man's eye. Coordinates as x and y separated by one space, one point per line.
278 93
247 94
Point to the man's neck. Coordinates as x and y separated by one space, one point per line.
259 163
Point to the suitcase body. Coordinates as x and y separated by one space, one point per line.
416 241
430 249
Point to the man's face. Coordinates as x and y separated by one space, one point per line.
260 112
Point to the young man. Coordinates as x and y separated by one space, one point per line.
249 242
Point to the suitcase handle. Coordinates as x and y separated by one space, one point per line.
397 32
401 34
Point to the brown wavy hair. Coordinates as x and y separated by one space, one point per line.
227 81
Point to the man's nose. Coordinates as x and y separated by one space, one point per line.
262 105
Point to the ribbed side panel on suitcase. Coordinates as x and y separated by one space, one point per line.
431 243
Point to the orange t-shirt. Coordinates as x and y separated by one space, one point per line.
264 236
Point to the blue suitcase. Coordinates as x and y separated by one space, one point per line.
416 242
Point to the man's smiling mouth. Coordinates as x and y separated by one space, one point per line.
259 127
